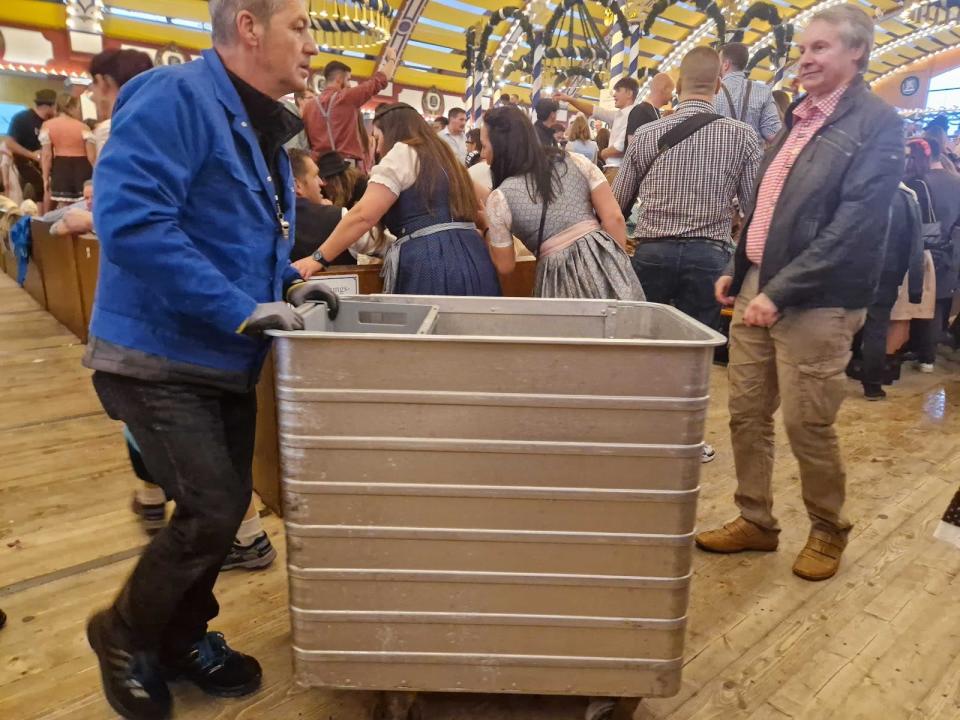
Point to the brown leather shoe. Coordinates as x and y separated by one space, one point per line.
738 536
820 559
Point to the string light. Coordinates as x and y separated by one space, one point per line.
907 66
909 39
351 24
692 40
30 69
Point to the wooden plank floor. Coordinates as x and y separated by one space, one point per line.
881 640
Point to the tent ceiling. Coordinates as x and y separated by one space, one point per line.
436 51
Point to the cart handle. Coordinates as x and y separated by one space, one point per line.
314 291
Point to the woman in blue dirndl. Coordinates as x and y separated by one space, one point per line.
424 196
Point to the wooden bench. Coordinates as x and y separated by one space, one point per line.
56 256
33 283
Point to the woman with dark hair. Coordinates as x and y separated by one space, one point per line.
424 196
938 192
936 131
562 209
473 148
603 142
110 71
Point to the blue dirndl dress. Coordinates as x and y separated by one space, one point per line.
435 255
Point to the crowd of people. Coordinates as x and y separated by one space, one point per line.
216 202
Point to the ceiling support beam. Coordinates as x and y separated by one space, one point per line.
406 22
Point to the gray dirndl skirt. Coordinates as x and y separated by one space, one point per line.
594 267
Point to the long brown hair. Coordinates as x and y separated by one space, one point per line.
399 122
344 189
603 138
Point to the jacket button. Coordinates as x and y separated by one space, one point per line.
243 124
269 178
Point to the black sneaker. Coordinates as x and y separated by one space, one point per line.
132 682
257 554
152 517
216 669
873 391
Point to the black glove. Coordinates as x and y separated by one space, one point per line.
271 316
313 290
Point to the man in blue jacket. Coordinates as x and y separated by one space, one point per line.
194 208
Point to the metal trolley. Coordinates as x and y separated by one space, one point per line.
498 496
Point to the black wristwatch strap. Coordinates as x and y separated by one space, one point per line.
318 256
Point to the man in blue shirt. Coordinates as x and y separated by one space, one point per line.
194 208
743 99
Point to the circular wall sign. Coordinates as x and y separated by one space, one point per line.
432 102
909 86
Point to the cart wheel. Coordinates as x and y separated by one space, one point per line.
626 708
397 706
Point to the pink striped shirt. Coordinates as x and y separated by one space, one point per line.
808 117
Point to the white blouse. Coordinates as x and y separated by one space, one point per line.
101 133
499 218
398 169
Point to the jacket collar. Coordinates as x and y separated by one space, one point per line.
240 123
226 93
855 90
273 123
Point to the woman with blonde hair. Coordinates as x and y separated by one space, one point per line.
67 152
424 196
580 141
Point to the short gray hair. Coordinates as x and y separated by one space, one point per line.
856 28
223 15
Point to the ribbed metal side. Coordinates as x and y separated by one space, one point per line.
492 514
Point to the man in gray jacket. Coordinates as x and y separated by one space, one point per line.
805 270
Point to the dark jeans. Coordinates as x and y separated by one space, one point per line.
926 334
197 443
29 171
872 343
682 272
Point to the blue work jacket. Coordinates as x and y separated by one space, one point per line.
186 215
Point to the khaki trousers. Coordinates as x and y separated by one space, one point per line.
798 363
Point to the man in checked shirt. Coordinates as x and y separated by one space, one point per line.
806 267
685 195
